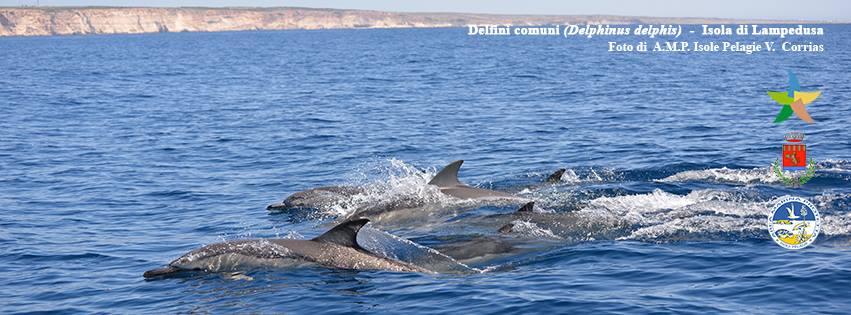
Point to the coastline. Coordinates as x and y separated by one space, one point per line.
47 21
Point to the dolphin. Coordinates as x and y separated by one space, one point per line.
446 181
418 214
575 225
337 248
555 177
480 249
411 210
316 198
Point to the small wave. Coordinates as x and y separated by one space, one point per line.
706 228
831 165
661 213
836 225
659 200
61 257
725 175
702 228
762 175
832 202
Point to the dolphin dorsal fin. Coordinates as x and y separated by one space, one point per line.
527 207
344 234
556 177
448 176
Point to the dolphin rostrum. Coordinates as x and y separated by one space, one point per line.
337 248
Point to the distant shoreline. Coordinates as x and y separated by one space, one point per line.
45 21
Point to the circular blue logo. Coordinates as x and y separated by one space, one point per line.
794 223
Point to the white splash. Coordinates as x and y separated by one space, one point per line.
833 165
725 175
291 235
701 214
652 202
836 224
390 183
571 176
526 228
701 227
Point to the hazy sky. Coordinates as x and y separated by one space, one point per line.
767 9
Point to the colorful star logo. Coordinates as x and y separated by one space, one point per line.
793 101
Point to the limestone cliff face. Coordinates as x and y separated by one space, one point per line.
147 20
111 20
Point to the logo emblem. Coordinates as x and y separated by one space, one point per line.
794 223
794 101
793 160
794 152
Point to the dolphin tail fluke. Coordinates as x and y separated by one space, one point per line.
448 176
556 177
160 272
344 234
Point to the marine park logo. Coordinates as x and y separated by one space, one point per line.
794 223
794 101
792 167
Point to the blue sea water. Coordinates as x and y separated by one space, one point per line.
120 153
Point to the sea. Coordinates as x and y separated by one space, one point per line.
120 153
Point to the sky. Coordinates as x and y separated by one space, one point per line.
836 10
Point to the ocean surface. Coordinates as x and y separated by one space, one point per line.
120 153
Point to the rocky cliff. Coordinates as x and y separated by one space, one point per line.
114 20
